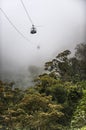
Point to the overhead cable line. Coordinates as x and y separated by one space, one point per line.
14 26
27 12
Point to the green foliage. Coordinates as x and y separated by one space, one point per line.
44 82
58 93
83 128
57 100
69 69
79 116
63 55
82 85
27 109
51 86
65 93
9 98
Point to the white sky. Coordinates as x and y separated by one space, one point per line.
62 26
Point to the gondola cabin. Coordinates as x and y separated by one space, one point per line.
33 30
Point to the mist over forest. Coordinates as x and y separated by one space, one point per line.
42 64
60 25
55 99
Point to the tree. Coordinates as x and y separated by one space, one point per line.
81 51
60 66
48 85
79 116
69 68
42 113
9 98
81 56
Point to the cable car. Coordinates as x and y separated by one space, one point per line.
33 30
38 47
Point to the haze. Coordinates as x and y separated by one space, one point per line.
60 25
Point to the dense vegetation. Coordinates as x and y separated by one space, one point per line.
56 102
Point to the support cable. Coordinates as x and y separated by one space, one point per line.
27 12
14 26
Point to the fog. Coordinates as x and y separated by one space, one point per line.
60 25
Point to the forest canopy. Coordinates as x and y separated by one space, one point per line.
57 101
